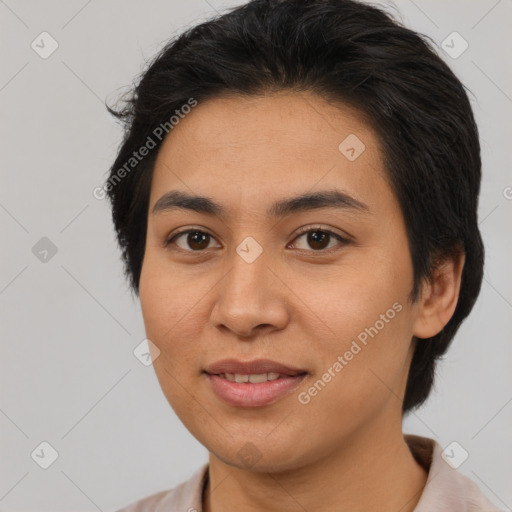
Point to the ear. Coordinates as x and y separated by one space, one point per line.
439 296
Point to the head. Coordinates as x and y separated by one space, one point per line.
271 101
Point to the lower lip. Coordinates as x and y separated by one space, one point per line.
247 394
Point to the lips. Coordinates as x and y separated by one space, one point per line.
253 383
255 367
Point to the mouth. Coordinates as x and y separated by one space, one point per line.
253 378
253 383
254 367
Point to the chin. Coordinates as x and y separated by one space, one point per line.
258 455
262 462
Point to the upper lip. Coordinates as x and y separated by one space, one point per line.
257 366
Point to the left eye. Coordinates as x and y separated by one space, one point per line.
317 239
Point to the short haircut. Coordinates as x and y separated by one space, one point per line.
347 52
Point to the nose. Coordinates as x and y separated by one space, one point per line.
251 299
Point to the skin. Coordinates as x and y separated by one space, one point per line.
295 304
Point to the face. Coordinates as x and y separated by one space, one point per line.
319 286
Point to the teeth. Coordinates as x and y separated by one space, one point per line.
254 378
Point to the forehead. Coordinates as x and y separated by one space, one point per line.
252 148
284 118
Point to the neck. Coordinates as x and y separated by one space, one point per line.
372 470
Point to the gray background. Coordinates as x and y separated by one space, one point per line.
69 325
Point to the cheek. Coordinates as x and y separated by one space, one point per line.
167 312
352 296
361 376
168 298
366 321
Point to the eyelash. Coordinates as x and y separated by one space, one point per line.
302 231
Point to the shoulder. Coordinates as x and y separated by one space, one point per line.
186 497
447 489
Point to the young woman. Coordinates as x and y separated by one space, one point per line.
296 202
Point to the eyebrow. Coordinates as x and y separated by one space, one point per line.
323 199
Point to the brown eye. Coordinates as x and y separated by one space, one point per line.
319 239
194 241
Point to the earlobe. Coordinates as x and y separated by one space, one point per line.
439 297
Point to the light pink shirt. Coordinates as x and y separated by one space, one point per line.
447 490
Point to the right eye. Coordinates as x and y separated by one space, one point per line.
196 240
